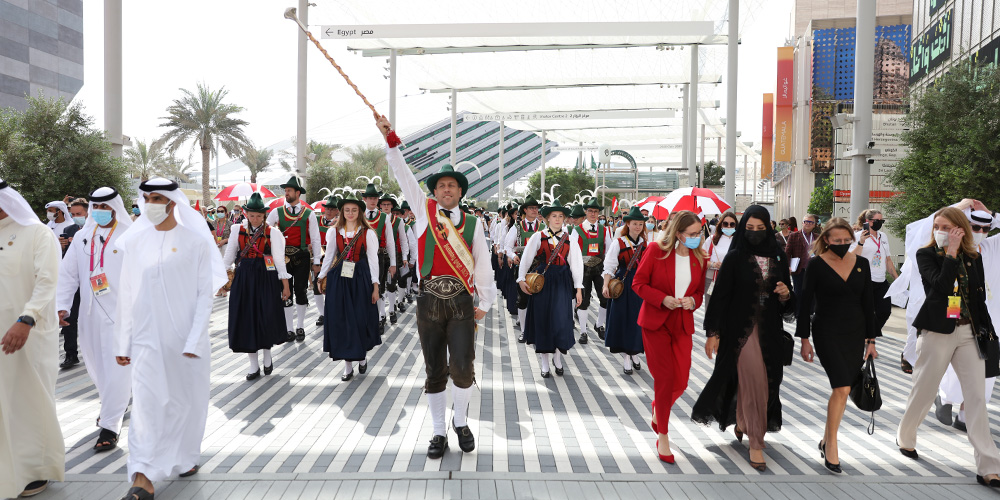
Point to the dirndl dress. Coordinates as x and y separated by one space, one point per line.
351 327
549 322
624 335
256 312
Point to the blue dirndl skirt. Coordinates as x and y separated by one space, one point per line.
256 312
624 334
351 327
549 323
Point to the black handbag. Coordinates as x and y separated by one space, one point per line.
787 348
865 392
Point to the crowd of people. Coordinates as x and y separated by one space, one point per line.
133 291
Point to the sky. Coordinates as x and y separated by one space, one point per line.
247 47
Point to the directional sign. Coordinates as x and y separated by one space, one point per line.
527 30
570 115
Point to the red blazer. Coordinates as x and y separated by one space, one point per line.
654 280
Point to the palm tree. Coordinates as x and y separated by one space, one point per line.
257 161
176 169
144 159
205 119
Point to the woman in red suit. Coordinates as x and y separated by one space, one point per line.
671 281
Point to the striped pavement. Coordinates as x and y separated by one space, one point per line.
302 423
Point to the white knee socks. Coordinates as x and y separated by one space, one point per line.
602 316
300 310
581 318
254 365
390 298
289 317
461 404
545 362
522 314
320 303
348 367
381 308
627 361
557 359
267 357
436 404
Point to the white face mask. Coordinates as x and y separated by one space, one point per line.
941 238
51 216
978 238
156 213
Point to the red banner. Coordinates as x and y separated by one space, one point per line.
783 106
768 135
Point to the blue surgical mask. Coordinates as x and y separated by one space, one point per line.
650 226
692 243
729 231
101 217
79 221
135 210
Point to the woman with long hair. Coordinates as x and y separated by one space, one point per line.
350 268
671 282
624 336
717 247
260 287
549 324
744 327
844 324
953 327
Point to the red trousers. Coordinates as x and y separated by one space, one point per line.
668 357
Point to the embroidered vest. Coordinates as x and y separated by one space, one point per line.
524 234
592 244
379 224
429 265
323 228
359 249
396 221
295 228
625 253
261 248
545 250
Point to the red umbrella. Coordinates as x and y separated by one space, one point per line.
655 209
243 190
706 201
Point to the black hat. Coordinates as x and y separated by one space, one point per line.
530 202
448 171
293 183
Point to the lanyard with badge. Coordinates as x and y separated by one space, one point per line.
877 259
954 310
99 283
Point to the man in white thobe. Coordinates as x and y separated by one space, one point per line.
171 271
93 266
32 451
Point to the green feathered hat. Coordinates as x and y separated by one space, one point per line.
293 182
332 201
371 192
255 204
577 211
593 204
634 214
448 171
530 201
555 206
351 198
405 206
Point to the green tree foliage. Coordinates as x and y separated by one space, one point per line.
203 118
953 148
821 202
144 160
571 182
322 171
52 150
714 174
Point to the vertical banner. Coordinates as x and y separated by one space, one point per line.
783 106
768 135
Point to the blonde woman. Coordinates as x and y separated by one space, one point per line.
670 280
952 272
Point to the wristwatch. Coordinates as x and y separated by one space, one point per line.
28 320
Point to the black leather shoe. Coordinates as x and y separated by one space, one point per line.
942 411
254 376
959 425
402 307
437 447
362 368
300 334
190 472
392 318
348 377
269 369
409 298
993 483
909 453
466 441
290 337
833 467
628 371
70 362
546 375
319 322
33 488
636 365
583 338
560 371
600 332
520 338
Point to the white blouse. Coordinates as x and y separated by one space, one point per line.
277 248
371 249
574 259
682 274
614 250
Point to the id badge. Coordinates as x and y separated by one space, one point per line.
592 248
269 262
99 284
954 307
347 270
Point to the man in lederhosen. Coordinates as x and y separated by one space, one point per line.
389 206
326 220
594 240
453 259
404 249
386 240
298 224
411 237
513 247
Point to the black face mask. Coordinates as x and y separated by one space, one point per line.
756 237
877 224
840 250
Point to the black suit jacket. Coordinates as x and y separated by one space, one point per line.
938 274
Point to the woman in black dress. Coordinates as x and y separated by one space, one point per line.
744 327
844 324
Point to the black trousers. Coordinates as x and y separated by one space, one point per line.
71 343
299 268
447 330
383 273
593 280
883 304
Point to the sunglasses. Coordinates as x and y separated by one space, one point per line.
980 229
807 222
728 224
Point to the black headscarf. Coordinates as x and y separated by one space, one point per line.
767 248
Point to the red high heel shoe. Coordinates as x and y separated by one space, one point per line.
653 423
666 458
